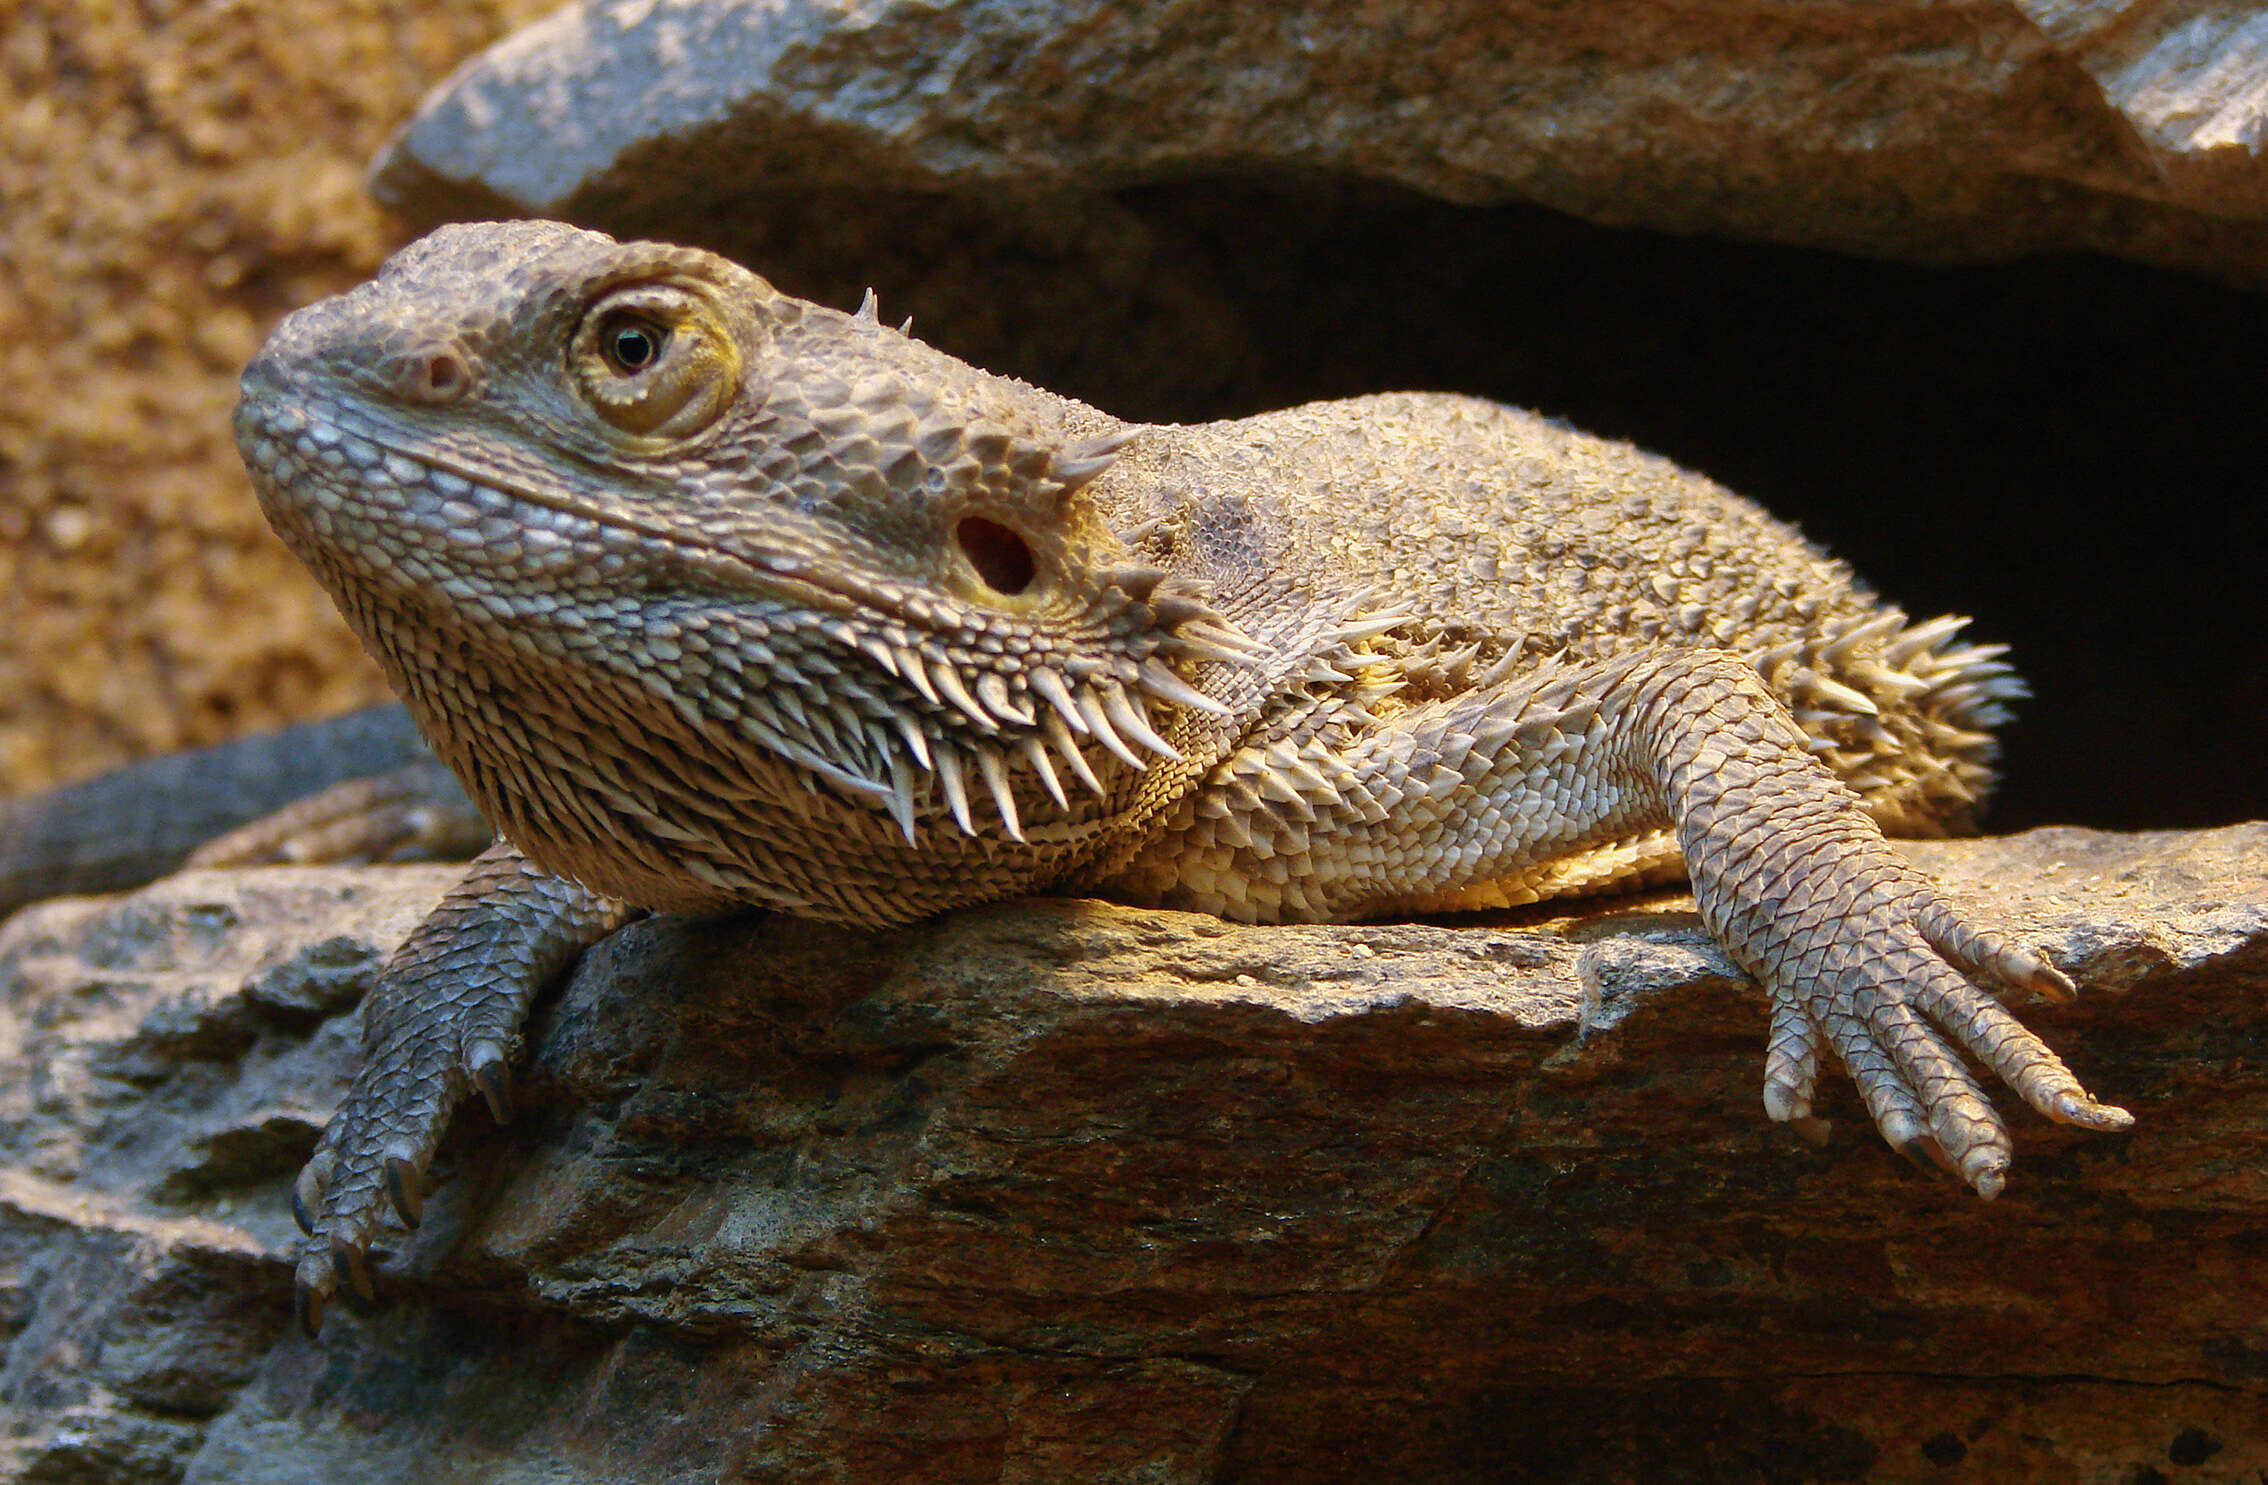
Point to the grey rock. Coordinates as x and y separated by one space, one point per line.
135 824
1911 129
1063 1191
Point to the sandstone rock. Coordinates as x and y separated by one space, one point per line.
1061 1191
2190 79
1910 130
175 178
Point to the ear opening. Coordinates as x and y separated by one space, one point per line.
1000 556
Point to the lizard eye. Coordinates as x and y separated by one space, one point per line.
653 360
631 343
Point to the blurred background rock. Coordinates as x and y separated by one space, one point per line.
173 178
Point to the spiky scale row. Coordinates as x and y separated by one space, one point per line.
993 731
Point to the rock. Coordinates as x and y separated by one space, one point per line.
1908 130
141 822
2190 80
175 179
1063 1191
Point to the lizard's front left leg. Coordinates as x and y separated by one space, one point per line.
442 1020
1592 775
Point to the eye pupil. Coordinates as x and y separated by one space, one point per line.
651 360
634 345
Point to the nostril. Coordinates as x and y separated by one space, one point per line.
435 375
446 376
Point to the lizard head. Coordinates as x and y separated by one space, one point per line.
637 487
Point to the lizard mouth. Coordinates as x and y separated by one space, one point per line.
328 465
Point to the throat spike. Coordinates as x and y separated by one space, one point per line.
901 800
1098 726
992 690
1036 756
995 773
917 674
955 786
1051 689
1160 680
1067 747
947 679
1126 715
916 741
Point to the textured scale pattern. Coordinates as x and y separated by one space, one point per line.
711 597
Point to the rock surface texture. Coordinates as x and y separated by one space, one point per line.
1961 131
1066 1192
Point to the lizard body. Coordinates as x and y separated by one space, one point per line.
714 598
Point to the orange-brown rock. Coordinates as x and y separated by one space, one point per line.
1909 129
175 178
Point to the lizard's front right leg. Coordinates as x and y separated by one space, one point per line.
442 1020
1582 776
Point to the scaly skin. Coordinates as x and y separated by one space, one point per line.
711 597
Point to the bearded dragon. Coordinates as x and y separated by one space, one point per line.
715 598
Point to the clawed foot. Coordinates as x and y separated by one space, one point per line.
441 1022
374 1155
1883 987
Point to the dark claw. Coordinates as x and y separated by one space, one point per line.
406 1189
2054 983
1813 1130
352 1266
307 1189
492 1075
307 1305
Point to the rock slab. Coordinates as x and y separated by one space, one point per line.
1063 1191
1912 129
